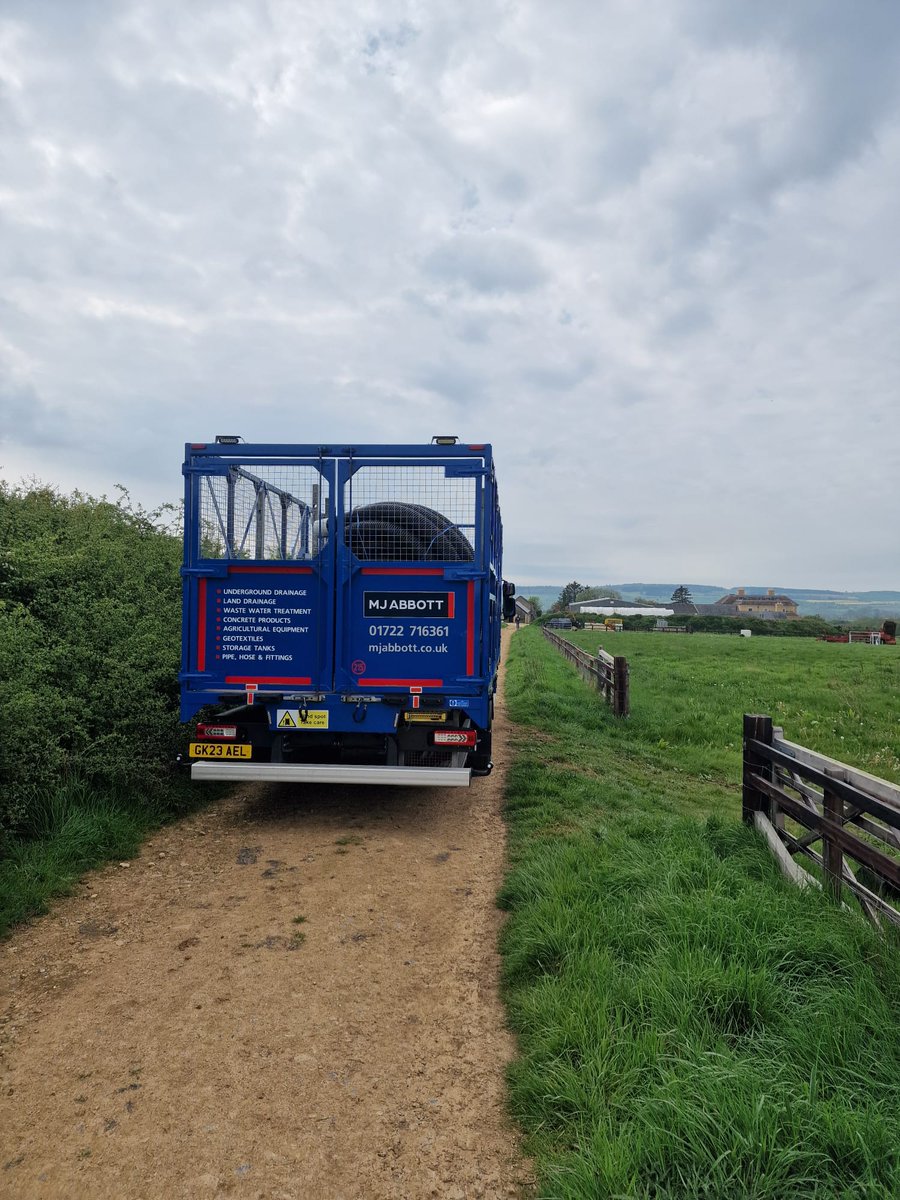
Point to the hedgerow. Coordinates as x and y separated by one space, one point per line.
90 614
89 645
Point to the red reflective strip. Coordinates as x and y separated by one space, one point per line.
402 571
270 571
400 683
470 627
257 679
451 604
201 625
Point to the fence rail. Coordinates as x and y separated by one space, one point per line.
820 797
607 672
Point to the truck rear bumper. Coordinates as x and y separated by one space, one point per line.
235 772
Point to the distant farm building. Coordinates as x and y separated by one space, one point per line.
525 610
770 607
606 607
689 609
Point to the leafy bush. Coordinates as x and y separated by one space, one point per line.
89 648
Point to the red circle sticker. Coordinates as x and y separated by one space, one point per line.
358 667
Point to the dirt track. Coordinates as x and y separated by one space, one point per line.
174 1029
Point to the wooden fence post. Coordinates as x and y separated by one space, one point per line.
620 686
757 729
832 855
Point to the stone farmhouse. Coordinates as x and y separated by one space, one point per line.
771 606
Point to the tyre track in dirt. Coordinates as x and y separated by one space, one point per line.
175 1029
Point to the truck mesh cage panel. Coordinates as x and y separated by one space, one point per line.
273 512
410 514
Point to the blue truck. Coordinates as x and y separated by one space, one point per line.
342 611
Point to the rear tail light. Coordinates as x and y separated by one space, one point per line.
217 731
454 737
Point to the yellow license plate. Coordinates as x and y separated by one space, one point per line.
298 718
220 750
426 718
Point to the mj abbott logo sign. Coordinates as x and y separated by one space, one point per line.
408 604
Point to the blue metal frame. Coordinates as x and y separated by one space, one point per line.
337 575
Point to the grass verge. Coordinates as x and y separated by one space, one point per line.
73 828
689 1025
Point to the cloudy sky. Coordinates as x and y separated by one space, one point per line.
648 248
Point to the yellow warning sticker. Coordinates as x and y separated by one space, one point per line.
301 718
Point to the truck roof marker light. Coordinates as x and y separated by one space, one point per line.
198 445
442 440
228 439
480 447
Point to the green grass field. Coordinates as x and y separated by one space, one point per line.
689 1024
691 691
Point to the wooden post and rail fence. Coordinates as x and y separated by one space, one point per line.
607 672
796 797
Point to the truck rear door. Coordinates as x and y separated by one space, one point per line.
260 561
409 563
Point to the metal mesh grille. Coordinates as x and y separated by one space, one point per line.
410 514
262 512
430 758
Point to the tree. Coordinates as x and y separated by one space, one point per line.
568 595
578 591
535 602
682 595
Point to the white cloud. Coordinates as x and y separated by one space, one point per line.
649 251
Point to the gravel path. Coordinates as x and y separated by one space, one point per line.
291 995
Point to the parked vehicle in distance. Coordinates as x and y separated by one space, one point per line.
342 611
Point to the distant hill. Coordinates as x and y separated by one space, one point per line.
833 606
546 595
